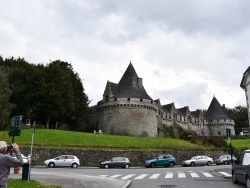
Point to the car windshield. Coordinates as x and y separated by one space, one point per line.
222 156
193 158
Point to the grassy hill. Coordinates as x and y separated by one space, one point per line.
68 139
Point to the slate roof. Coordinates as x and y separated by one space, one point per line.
129 86
168 107
197 113
184 110
215 111
242 84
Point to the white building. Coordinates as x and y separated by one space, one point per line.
245 84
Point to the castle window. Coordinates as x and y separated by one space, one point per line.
151 102
225 120
218 120
219 133
115 99
128 99
140 100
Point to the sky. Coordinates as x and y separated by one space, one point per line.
186 52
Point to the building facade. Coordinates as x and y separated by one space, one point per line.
127 109
245 85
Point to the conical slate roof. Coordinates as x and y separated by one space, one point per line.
130 86
215 111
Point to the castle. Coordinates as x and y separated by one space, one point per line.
127 109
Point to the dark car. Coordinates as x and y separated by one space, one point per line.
225 159
241 169
116 162
161 160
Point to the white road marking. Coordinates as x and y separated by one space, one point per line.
115 176
207 174
169 175
194 175
181 175
141 176
154 176
225 174
128 176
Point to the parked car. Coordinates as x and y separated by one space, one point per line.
198 160
116 162
161 160
241 169
225 159
63 160
25 159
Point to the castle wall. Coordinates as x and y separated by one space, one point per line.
129 118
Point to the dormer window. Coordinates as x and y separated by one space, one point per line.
141 100
128 99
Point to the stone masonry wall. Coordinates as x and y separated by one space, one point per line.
93 157
128 120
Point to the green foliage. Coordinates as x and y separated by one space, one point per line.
53 95
17 183
206 141
5 94
240 116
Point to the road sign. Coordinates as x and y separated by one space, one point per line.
245 132
15 126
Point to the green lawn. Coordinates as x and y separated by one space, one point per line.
68 139
241 144
17 183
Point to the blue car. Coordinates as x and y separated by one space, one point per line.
161 160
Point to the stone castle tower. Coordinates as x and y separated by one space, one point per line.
127 109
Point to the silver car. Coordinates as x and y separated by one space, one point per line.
63 160
198 161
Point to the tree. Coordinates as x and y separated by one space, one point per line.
5 94
52 95
240 116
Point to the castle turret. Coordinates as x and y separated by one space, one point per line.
126 108
218 120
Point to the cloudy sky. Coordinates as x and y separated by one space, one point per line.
185 51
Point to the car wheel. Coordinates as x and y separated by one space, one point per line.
106 166
225 163
152 165
171 165
74 165
208 163
51 165
126 166
248 182
234 179
192 164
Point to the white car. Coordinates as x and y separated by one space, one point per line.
63 160
25 159
198 161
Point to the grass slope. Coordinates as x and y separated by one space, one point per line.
69 139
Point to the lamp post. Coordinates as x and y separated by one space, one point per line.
32 140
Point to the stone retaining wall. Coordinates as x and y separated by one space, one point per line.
93 157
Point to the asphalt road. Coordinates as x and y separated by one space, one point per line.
177 177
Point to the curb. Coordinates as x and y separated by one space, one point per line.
127 184
227 177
